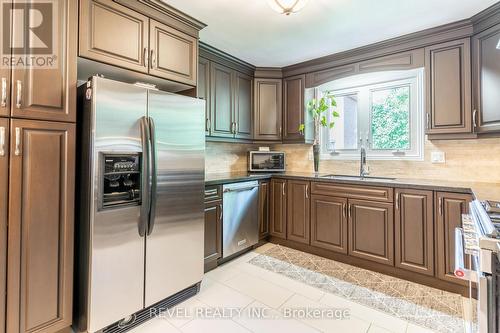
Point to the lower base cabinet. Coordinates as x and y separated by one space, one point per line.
414 230
264 209
41 227
329 223
213 233
298 211
449 210
277 198
371 232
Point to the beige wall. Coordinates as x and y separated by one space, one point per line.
466 160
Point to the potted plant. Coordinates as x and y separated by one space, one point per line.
319 110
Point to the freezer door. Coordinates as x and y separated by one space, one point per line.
117 249
174 246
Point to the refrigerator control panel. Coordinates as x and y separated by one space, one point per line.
121 180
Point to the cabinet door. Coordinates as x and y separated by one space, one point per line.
264 209
221 88
40 249
449 210
371 231
4 91
213 231
50 94
268 109
203 90
174 55
448 87
414 231
114 34
329 223
486 69
298 211
293 108
4 189
277 227
244 106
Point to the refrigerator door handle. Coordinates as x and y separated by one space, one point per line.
153 177
146 185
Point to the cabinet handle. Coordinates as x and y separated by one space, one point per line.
281 131
146 59
427 115
2 141
349 212
152 59
221 212
19 99
236 127
209 125
440 206
17 151
474 119
397 200
344 209
3 103
283 189
307 191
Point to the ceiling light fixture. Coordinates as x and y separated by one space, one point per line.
287 6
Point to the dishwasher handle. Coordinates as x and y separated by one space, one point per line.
240 189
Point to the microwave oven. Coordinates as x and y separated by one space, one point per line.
266 161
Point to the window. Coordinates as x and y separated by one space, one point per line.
381 111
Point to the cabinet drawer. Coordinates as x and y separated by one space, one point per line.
213 193
374 193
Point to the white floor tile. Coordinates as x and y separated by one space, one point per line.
223 273
412 328
259 289
184 312
379 318
283 281
157 325
213 326
215 294
377 329
272 322
351 324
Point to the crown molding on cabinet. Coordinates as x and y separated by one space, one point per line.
487 18
213 54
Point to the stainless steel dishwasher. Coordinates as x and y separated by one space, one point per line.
240 218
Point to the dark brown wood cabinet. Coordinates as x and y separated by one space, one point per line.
293 108
43 93
264 209
448 212
268 110
222 99
298 211
5 75
243 106
203 90
173 54
41 212
448 88
103 25
414 230
486 80
329 223
213 232
4 189
371 231
277 222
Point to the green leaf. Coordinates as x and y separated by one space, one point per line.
332 124
335 114
302 128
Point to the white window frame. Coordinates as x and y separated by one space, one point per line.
363 85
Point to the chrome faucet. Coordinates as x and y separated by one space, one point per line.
363 168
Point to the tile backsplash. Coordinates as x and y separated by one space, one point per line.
466 160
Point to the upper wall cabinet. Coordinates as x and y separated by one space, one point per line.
149 47
448 88
486 70
268 110
45 93
293 108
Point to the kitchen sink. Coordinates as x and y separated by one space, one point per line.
366 178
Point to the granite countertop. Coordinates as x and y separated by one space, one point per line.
481 190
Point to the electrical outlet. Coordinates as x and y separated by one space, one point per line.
438 157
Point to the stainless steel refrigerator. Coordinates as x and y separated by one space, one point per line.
140 217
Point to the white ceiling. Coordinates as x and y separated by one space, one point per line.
252 31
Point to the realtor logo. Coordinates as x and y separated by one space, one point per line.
29 33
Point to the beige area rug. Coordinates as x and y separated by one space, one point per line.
425 306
